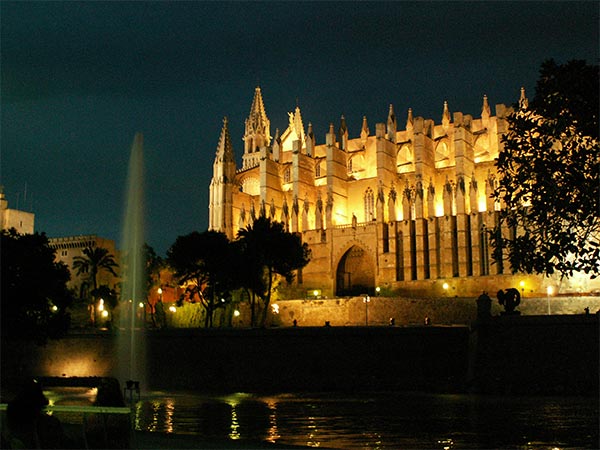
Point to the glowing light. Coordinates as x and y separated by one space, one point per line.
482 204
522 284
445 286
160 291
172 308
549 290
101 307
316 293
378 290
275 308
439 209
141 305
54 308
236 313
105 313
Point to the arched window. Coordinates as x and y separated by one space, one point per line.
443 157
318 170
369 205
286 175
404 160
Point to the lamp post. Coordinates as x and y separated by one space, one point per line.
549 292
366 301
522 285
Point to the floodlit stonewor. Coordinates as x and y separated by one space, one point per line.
406 208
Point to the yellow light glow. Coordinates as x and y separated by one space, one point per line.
236 313
160 291
439 209
482 204
275 308
522 284
105 313
316 293
54 308
141 305
378 289
550 290
101 307
445 286
172 308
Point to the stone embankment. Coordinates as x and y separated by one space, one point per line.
518 354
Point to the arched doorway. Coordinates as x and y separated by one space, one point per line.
355 273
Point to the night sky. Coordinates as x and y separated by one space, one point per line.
79 79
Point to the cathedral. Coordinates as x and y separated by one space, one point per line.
404 210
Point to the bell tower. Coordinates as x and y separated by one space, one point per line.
222 185
257 134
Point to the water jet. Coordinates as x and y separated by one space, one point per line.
131 339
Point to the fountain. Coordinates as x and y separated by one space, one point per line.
131 340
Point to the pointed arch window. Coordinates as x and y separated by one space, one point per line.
369 200
318 170
286 175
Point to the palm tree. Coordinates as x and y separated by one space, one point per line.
269 251
93 261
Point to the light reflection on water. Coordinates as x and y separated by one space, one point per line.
381 420
370 420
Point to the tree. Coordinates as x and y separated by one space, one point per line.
34 293
93 261
549 179
269 251
202 262
154 265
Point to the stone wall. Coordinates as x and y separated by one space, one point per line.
267 360
509 354
410 311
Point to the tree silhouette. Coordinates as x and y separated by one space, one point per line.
202 261
267 251
93 261
549 177
34 297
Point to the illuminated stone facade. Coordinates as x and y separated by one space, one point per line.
406 208
67 248
22 221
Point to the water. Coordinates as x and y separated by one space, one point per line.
377 420
131 337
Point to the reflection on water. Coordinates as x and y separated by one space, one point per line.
393 420
370 420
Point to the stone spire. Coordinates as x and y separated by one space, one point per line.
446 115
297 125
364 132
409 120
257 132
310 140
330 136
485 109
224 147
523 101
343 134
392 126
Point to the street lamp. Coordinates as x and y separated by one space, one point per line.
549 292
445 286
377 290
522 285
366 301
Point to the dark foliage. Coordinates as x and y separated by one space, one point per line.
549 178
34 294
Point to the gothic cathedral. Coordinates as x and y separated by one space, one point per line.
405 209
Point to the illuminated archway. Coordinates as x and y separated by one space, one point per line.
355 273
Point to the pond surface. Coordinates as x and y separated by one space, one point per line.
373 420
